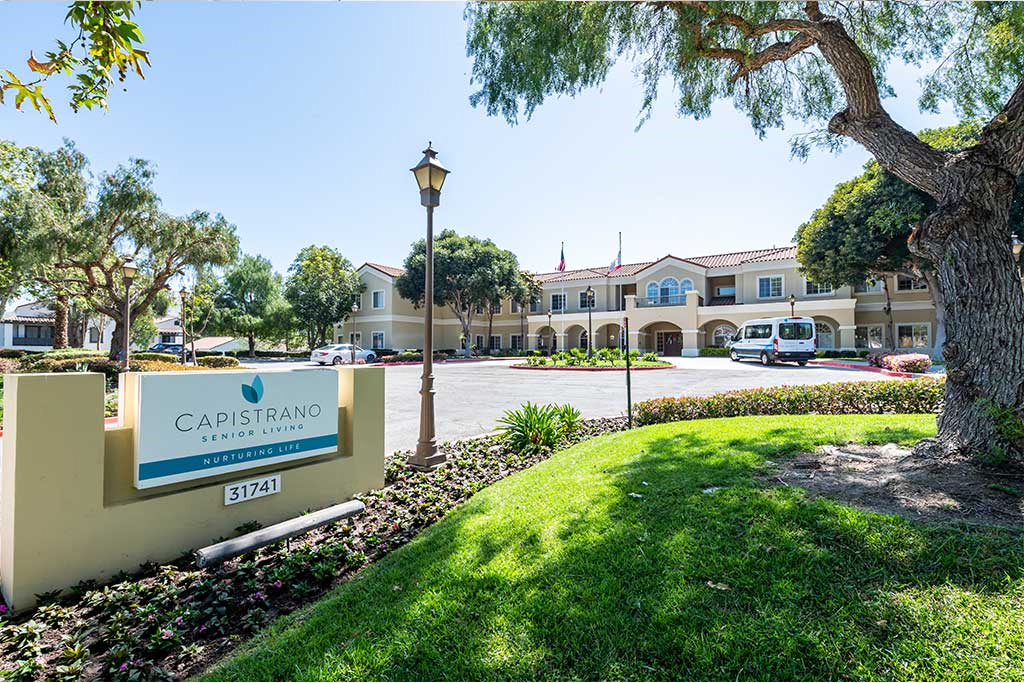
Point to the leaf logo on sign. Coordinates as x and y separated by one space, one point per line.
253 392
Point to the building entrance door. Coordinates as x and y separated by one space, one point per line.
670 344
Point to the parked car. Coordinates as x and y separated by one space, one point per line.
337 354
775 339
171 348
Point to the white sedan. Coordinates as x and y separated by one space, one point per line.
337 354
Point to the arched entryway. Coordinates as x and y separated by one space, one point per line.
718 332
575 337
827 331
545 339
608 336
662 337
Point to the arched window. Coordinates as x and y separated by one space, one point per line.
668 291
584 340
722 334
826 336
686 285
652 292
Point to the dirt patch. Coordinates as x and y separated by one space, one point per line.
889 479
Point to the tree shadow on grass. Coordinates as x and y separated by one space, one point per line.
638 573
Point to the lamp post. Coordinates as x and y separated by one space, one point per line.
430 175
590 322
792 305
352 334
551 346
184 300
128 270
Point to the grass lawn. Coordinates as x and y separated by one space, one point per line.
608 561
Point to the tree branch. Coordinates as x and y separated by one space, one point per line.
1003 136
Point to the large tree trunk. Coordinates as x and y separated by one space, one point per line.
60 322
252 344
890 328
117 341
968 240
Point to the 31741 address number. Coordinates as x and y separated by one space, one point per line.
242 491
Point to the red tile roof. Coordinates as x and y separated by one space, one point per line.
712 261
29 319
781 254
387 270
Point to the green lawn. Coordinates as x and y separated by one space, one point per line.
609 562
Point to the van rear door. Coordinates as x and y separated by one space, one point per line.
796 335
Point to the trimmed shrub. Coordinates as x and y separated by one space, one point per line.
153 355
50 360
901 362
649 357
714 352
408 357
11 353
841 398
218 362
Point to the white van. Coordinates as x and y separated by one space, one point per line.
772 339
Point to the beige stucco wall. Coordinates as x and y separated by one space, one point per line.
69 511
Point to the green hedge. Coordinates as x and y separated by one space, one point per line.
218 362
41 362
714 352
153 355
11 353
840 398
842 353
406 357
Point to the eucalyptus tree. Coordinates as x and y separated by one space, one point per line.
826 62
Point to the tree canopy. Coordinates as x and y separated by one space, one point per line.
251 294
468 272
104 39
322 287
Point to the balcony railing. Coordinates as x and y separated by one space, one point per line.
652 301
32 341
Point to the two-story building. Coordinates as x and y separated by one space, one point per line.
675 306
30 327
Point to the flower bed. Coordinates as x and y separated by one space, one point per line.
172 621
840 398
900 362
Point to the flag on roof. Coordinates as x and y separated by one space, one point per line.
617 263
561 262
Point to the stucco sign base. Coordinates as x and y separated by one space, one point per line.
69 509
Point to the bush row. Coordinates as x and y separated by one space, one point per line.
218 362
901 362
840 398
410 357
842 353
713 352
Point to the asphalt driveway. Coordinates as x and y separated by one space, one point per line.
470 397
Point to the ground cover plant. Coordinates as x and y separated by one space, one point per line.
901 362
659 553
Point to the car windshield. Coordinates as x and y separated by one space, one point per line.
795 331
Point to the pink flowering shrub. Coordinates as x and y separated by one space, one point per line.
840 398
900 362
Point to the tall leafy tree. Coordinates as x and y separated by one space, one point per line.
251 292
103 46
468 272
322 287
525 290
825 62
77 248
499 277
862 230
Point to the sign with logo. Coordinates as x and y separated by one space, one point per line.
191 425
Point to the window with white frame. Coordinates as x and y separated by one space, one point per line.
168 338
769 287
685 285
94 335
479 342
534 305
377 340
516 308
825 334
909 284
495 344
584 300
496 308
913 335
725 290
722 335
869 337
478 309
378 298
355 338
869 287
515 342
817 289
557 302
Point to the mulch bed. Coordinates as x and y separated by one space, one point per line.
891 480
173 621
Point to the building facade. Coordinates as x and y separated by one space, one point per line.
30 327
675 306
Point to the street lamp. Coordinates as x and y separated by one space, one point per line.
792 305
128 270
184 299
352 334
590 322
430 175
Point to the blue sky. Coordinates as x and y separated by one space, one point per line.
299 123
